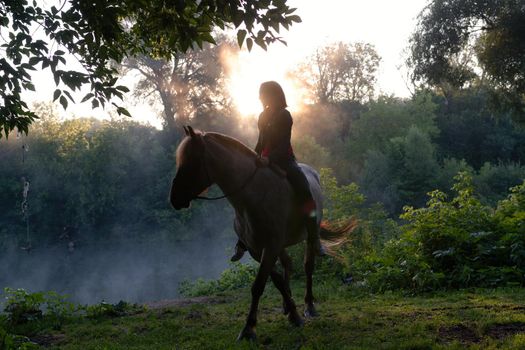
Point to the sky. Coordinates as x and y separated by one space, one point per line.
386 24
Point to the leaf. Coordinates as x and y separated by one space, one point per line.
34 60
94 104
69 96
122 110
295 18
63 101
56 94
122 88
87 97
241 35
249 44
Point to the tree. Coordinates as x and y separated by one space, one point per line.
341 72
97 33
496 31
187 83
387 118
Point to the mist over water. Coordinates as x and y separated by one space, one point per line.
130 271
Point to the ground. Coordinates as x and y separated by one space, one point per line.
349 319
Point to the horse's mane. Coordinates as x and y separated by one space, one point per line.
184 148
232 143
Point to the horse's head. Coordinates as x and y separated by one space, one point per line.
191 178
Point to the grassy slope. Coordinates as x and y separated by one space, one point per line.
481 319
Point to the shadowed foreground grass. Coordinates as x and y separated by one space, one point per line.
349 319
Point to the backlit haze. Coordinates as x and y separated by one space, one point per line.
384 23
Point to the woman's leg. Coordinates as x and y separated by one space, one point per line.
301 187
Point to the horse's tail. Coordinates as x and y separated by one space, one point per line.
333 237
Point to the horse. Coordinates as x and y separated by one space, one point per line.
267 216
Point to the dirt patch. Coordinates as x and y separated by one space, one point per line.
46 340
460 333
162 304
503 330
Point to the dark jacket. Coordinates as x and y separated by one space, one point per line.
275 132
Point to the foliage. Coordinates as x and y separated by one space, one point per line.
404 173
23 307
104 310
99 33
446 30
374 227
87 183
387 118
471 130
186 84
237 276
493 181
451 244
308 151
341 202
10 341
341 71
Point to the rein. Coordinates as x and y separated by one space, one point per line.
246 182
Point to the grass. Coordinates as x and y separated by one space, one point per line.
349 319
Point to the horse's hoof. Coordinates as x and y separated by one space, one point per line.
310 312
247 333
295 319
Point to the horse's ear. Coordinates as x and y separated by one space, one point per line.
186 131
190 131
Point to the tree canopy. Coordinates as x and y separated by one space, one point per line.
493 31
341 71
95 34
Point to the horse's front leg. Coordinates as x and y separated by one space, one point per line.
268 260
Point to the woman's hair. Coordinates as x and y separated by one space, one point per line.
274 94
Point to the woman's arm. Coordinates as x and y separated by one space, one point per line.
259 145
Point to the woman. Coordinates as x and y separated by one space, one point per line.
274 146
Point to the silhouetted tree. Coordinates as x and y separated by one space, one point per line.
340 72
97 33
187 83
496 31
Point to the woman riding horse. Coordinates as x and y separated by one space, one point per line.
274 146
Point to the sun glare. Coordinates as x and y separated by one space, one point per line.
245 73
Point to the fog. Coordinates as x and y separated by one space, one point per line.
130 271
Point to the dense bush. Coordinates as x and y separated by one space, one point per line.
452 243
238 275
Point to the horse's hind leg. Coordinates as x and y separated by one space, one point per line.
309 263
268 260
288 302
286 262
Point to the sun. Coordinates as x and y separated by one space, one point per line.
247 70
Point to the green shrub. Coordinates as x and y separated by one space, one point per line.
452 244
107 310
236 276
10 341
22 306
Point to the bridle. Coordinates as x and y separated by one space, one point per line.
238 190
